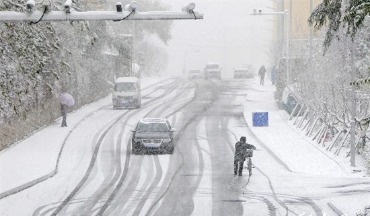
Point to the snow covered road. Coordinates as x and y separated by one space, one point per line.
88 168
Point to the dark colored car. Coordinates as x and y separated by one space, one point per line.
153 134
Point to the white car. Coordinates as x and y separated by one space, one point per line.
126 93
212 70
243 72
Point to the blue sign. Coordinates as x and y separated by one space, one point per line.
260 119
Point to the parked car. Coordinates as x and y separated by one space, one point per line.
153 134
195 74
243 72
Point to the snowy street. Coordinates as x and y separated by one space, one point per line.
89 169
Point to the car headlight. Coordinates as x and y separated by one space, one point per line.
166 140
137 140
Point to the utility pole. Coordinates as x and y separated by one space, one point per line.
132 47
287 28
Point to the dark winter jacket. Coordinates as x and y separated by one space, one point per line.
64 109
261 72
241 150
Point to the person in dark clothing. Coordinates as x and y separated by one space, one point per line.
64 109
241 148
261 74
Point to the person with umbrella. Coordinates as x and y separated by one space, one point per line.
64 109
66 100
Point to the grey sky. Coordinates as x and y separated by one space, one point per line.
228 34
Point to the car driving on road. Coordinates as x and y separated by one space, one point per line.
212 70
126 93
243 72
195 74
152 134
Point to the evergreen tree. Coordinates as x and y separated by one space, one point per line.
335 13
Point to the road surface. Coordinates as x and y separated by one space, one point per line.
98 175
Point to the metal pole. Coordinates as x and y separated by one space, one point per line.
132 47
286 17
282 25
289 39
96 15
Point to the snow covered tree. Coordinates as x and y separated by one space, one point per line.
334 13
39 61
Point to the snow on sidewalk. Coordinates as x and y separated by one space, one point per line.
300 155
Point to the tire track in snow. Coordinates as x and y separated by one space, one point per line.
204 108
55 171
96 150
119 185
157 178
118 159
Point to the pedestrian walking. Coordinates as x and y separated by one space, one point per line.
66 100
241 154
261 74
64 109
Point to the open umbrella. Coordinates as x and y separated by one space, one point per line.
67 99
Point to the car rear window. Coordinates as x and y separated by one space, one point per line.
212 66
125 87
152 127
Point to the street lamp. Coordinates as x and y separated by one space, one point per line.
285 13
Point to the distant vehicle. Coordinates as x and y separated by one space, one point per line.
212 70
126 93
154 134
243 72
195 74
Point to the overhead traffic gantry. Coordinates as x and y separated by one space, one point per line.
129 12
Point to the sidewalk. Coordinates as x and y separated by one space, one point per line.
298 152
34 159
